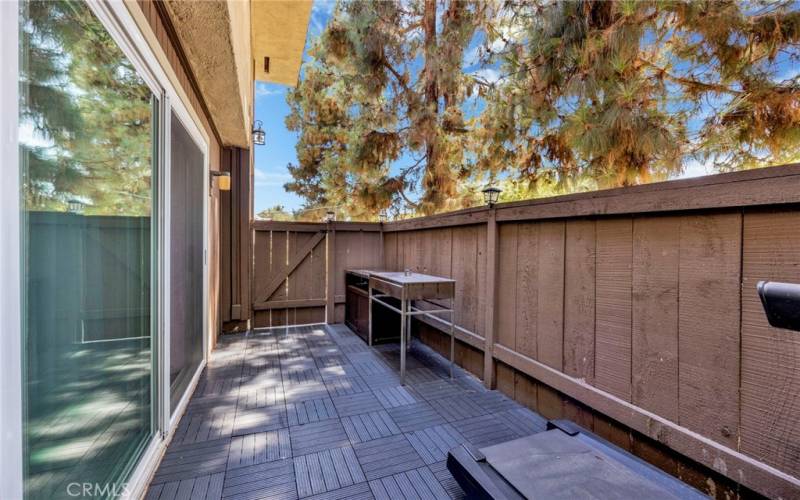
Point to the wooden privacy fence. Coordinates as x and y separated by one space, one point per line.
633 306
299 269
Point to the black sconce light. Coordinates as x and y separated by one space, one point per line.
259 137
330 216
382 217
491 194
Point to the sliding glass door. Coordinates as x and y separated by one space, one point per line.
87 130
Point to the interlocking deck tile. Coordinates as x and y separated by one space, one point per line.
311 438
442 388
485 430
388 379
369 426
447 480
207 487
387 456
218 387
414 484
211 404
327 470
366 356
371 368
302 392
338 371
392 358
494 401
259 420
342 386
457 408
197 427
330 360
421 375
331 349
312 410
522 421
353 404
358 491
416 416
391 397
267 480
184 461
470 384
433 443
259 448
356 346
260 398
302 375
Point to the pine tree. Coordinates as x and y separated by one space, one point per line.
630 91
385 84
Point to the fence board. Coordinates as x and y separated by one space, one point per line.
613 307
506 284
465 272
708 335
550 294
655 314
526 274
579 299
770 421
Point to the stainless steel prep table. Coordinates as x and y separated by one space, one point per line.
409 287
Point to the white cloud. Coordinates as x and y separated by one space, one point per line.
264 90
267 179
695 169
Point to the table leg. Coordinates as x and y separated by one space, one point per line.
403 322
369 305
452 340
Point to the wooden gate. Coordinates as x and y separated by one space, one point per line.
298 269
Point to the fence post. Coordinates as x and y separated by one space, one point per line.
330 279
491 296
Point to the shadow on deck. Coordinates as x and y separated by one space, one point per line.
314 412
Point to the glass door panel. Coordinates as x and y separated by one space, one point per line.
87 137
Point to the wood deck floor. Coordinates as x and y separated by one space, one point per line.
313 412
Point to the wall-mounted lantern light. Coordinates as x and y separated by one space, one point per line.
223 180
75 206
491 194
382 217
330 216
259 137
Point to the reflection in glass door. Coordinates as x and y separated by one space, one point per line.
86 135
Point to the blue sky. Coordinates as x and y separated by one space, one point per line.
271 108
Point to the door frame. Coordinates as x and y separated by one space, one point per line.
11 470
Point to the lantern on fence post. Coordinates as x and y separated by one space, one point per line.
491 194
330 216
75 206
382 216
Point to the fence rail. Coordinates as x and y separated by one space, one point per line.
638 304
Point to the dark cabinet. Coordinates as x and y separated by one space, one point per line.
385 322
